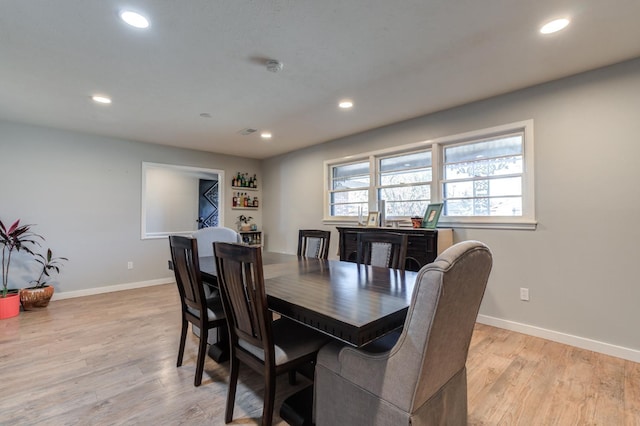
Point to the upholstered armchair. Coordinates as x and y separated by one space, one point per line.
421 379
207 236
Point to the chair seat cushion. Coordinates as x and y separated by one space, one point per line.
291 341
213 314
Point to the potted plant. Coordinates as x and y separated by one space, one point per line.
416 221
244 223
40 294
14 238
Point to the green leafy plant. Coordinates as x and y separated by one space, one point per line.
244 219
15 238
50 265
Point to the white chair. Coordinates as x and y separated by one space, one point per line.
206 237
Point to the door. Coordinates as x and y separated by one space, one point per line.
207 203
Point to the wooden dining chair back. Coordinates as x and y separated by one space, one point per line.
194 306
268 347
385 249
314 243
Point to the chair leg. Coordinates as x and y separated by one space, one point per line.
183 339
233 383
269 397
202 351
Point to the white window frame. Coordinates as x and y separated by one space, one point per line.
526 221
378 173
329 187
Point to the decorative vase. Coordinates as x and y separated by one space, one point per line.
416 222
36 297
9 306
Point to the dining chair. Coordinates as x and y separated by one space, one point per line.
385 249
314 243
196 309
269 347
420 379
207 236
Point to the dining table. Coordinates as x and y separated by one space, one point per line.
350 302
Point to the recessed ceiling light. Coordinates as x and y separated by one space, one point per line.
345 104
134 19
101 99
265 135
554 26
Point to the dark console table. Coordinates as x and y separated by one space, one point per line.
424 244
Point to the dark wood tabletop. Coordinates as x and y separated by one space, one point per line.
351 302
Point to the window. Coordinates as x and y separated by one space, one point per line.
484 179
349 191
404 182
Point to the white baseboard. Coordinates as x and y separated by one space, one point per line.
111 288
567 339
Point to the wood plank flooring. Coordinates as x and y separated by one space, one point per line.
110 360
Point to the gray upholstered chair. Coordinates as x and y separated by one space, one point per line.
422 379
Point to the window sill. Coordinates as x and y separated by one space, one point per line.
522 225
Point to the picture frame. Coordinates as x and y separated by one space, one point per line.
432 215
372 219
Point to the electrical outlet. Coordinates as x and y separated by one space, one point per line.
524 293
129 265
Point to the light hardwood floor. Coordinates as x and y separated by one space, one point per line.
110 360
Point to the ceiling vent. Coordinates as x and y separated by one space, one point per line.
247 131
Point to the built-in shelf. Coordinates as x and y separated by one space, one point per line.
252 238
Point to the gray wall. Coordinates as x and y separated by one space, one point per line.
580 263
84 194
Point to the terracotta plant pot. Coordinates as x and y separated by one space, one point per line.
9 306
36 298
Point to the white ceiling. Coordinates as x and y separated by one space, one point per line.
395 59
